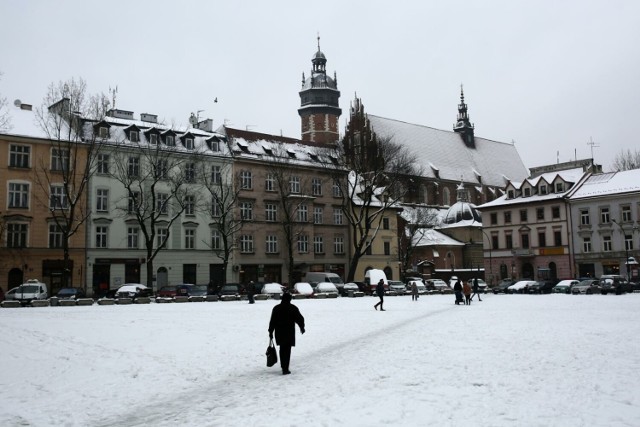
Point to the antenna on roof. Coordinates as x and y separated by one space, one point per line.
592 144
113 93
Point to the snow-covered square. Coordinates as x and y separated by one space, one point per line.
510 360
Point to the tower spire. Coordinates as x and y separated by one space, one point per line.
463 124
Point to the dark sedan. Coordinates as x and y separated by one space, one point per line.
501 288
70 293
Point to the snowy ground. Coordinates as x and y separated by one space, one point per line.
510 360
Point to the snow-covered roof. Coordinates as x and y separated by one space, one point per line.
431 237
445 152
609 184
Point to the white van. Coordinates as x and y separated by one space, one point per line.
315 277
372 277
30 290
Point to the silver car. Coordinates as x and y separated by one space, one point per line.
589 286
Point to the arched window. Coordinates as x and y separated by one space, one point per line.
446 197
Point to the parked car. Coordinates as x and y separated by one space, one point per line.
615 284
520 287
1 295
167 291
11 293
303 288
437 285
543 287
133 291
326 288
635 286
482 285
396 286
273 289
184 289
198 292
564 286
422 289
70 293
229 289
352 286
31 290
501 288
588 286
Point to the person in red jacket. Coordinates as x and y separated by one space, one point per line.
284 317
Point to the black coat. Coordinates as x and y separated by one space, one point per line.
283 320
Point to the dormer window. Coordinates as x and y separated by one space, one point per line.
188 143
268 150
134 136
510 194
153 139
291 153
527 192
559 187
213 144
543 189
170 140
103 132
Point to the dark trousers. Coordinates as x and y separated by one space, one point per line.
285 357
474 294
251 300
467 299
380 302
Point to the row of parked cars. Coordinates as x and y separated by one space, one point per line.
614 284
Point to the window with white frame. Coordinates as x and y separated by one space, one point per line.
153 139
584 217
216 240
132 237
216 206
605 217
246 211
318 245
18 195
628 242
294 184
102 164
101 236
189 238
318 214
162 203
133 202
270 212
246 244
336 190
214 144
188 143
606 243
303 243
189 205
102 200
316 187
216 174
161 169
59 159
190 172
586 245
57 197
162 234
246 180
19 156
337 216
302 213
626 213
55 236
338 245
103 132
270 183
133 166
17 235
170 140
271 244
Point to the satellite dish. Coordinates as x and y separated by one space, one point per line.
17 103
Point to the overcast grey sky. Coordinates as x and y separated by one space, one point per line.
548 75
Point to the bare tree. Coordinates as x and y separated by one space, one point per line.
159 186
223 202
415 220
626 160
376 182
5 118
64 177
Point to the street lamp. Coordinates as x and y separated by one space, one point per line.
490 263
634 228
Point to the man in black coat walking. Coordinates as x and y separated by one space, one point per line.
380 293
284 317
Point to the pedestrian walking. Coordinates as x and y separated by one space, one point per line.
284 318
380 293
414 291
251 290
457 290
476 289
466 289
